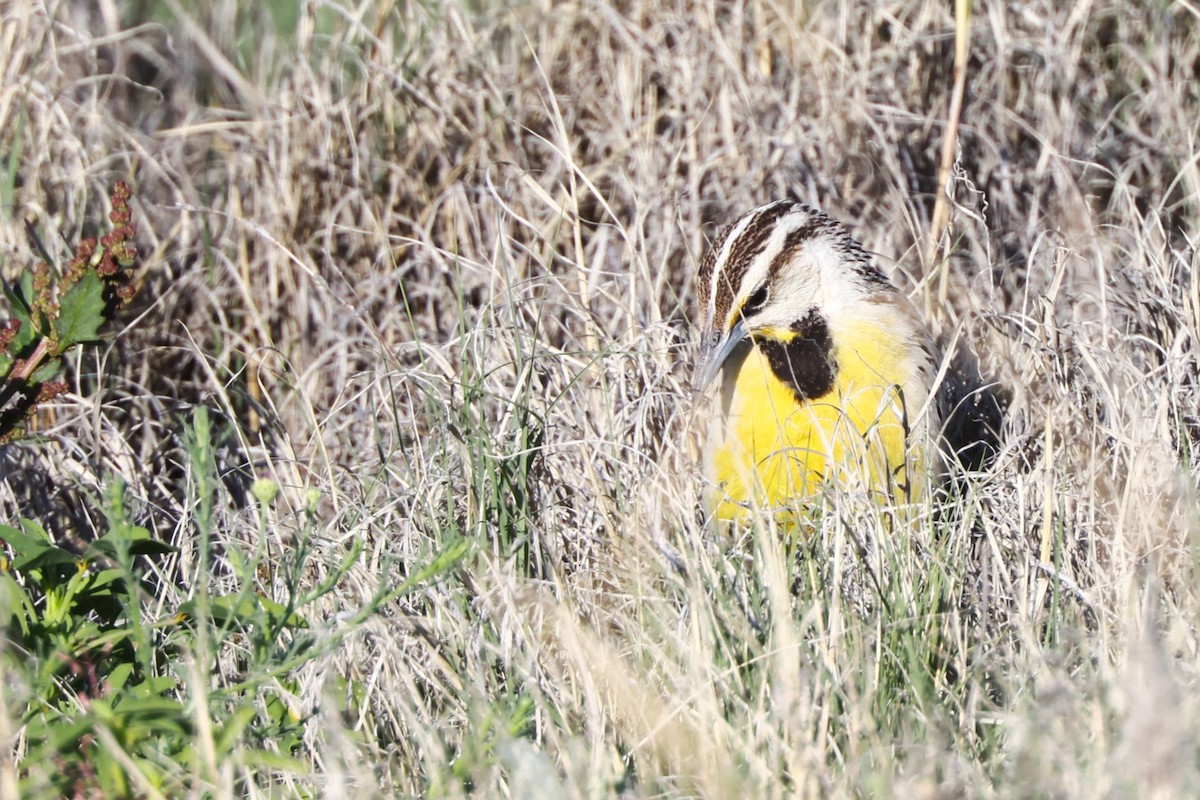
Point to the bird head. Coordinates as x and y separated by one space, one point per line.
776 273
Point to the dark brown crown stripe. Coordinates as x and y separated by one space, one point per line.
792 245
806 363
753 240
749 245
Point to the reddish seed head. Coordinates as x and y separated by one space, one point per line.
50 390
74 270
8 332
41 277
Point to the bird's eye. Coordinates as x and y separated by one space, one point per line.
756 301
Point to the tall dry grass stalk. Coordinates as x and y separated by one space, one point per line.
433 262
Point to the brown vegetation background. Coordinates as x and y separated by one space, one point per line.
431 266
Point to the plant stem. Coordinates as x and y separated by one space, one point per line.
22 370
30 365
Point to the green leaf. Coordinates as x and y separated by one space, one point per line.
48 371
30 534
34 528
31 547
143 710
119 675
15 603
18 298
25 337
154 686
229 733
64 735
141 543
134 540
107 581
265 759
106 640
81 312
245 609
20 542
278 614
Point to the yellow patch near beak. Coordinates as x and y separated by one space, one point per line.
784 335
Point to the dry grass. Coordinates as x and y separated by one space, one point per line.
434 264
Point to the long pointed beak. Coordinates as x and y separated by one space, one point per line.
713 351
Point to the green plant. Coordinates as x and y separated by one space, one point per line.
129 677
109 700
111 696
76 636
53 311
119 703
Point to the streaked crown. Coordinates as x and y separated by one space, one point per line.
784 256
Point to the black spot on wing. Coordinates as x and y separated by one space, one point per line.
973 411
806 363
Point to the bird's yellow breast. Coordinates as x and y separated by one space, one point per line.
771 449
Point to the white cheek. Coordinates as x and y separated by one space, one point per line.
796 294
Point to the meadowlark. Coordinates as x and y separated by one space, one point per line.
826 367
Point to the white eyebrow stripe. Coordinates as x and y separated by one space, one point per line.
719 263
759 268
